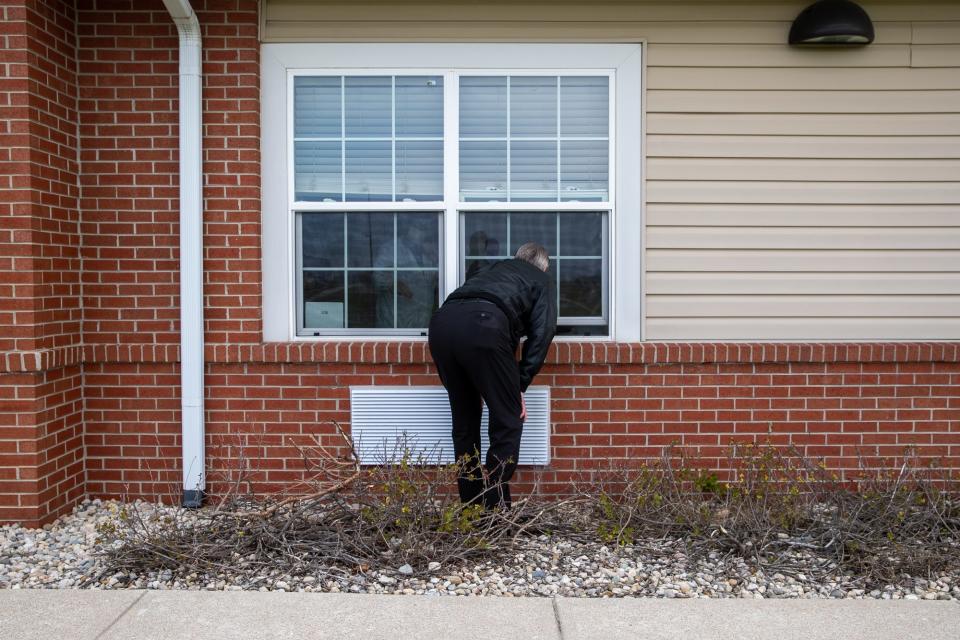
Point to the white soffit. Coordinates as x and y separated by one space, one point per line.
387 420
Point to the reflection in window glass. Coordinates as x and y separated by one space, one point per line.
533 227
371 299
581 287
576 241
418 241
582 234
370 240
416 297
369 270
322 244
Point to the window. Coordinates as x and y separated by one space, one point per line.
402 180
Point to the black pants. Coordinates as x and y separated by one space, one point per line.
474 351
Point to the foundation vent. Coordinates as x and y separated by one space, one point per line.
387 420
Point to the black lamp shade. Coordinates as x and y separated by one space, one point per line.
835 22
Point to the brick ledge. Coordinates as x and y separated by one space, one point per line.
560 353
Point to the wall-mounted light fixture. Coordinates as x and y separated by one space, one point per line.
832 22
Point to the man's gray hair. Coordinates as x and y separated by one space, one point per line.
535 254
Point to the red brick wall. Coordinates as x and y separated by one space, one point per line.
41 444
128 78
40 240
839 402
41 454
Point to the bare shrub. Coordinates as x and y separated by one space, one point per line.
346 518
779 507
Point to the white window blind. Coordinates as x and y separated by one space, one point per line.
534 138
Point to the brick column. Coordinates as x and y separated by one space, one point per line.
41 459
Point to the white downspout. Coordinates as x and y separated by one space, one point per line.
191 253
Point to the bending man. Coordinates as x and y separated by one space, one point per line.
473 340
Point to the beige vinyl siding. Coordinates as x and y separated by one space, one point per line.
795 194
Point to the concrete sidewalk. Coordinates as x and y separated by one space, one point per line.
168 615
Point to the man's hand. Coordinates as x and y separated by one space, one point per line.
523 408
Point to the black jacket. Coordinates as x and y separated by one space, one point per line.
525 295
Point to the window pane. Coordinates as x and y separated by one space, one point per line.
486 234
323 299
392 270
533 170
419 106
547 115
483 171
371 299
583 170
575 241
533 227
322 236
584 105
581 287
370 240
318 171
419 170
417 296
581 234
418 240
533 106
316 106
369 171
483 107
368 101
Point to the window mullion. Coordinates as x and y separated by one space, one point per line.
451 182
396 273
343 145
509 143
393 138
346 272
559 135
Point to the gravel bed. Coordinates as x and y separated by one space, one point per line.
62 556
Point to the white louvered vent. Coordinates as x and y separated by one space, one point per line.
385 420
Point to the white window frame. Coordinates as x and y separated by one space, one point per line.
623 62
